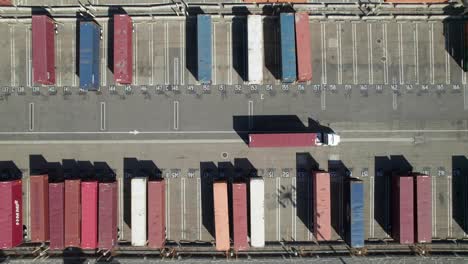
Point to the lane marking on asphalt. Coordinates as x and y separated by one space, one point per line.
324 53
323 100
135 52
229 53
339 55
213 43
394 101
31 116
449 207
166 52
355 67
401 51
151 51
434 206
370 55
250 113
431 57
182 53
278 210
176 115
385 52
294 208
13 59
447 53
199 215
416 52
168 208
176 70
182 197
103 116
28 57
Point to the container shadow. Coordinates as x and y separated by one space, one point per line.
86 170
131 169
459 194
454 41
73 256
239 44
339 174
103 172
191 46
70 169
226 171
9 171
38 165
208 172
271 44
305 164
79 18
149 168
55 171
382 190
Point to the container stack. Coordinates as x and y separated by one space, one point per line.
39 209
221 215
11 217
157 213
43 49
403 209
123 49
56 215
239 216
321 208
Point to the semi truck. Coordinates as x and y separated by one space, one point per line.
279 140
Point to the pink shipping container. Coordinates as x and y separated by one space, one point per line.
239 216
107 237
279 140
403 209
156 214
43 49
221 214
56 215
423 212
72 213
11 214
321 203
123 56
6 3
303 47
89 216
39 209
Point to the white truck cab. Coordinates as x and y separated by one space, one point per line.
327 139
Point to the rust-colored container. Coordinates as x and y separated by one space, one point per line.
123 50
239 216
107 238
56 215
11 214
72 213
39 209
43 49
403 209
89 214
423 205
321 203
303 47
156 214
5 3
221 214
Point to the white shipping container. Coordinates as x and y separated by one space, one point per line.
138 203
257 216
255 49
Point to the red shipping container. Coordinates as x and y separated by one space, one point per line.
321 203
239 216
123 56
156 214
282 140
89 214
39 209
56 215
403 209
303 47
72 213
107 237
423 204
11 214
43 49
5 3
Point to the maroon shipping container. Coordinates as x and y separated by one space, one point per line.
282 140
5 3
423 212
303 47
107 220
239 216
72 213
123 56
89 214
39 207
156 214
11 214
403 209
321 205
56 215
43 49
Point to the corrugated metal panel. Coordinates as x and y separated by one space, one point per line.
255 56
322 209
6 3
11 216
303 47
43 49
204 44
89 55
221 215
156 214
257 212
72 213
239 216
288 48
107 237
355 213
423 215
39 209
56 215
138 203
403 209
123 50
89 216
282 140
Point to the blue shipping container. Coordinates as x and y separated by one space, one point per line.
90 36
288 48
355 213
204 48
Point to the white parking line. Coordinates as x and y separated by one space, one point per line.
182 53
434 206
168 208
13 59
182 198
199 215
152 53
176 70
323 100
416 52
103 116
229 53
28 58
385 52
294 208
370 59
135 52
74 58
59 60
278 210
371 208
401 51
355 68
431 57
120 185
324 53
104 56
176 115
449 207
394 101
340 59
447 54
214 54
31 116
250 112
166 51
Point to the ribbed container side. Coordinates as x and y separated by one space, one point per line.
108 215
322 208
403 209
288 48
280 140
6 3
138 216
43 49
255 47
57 215
204 46
239 216
123 49
423 205
39 209
221 214
89 214
303 47
157 214
257 212
11 216
72 213
355 213
90 35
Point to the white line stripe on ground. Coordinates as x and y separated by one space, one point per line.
176 115
31 117
103 116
